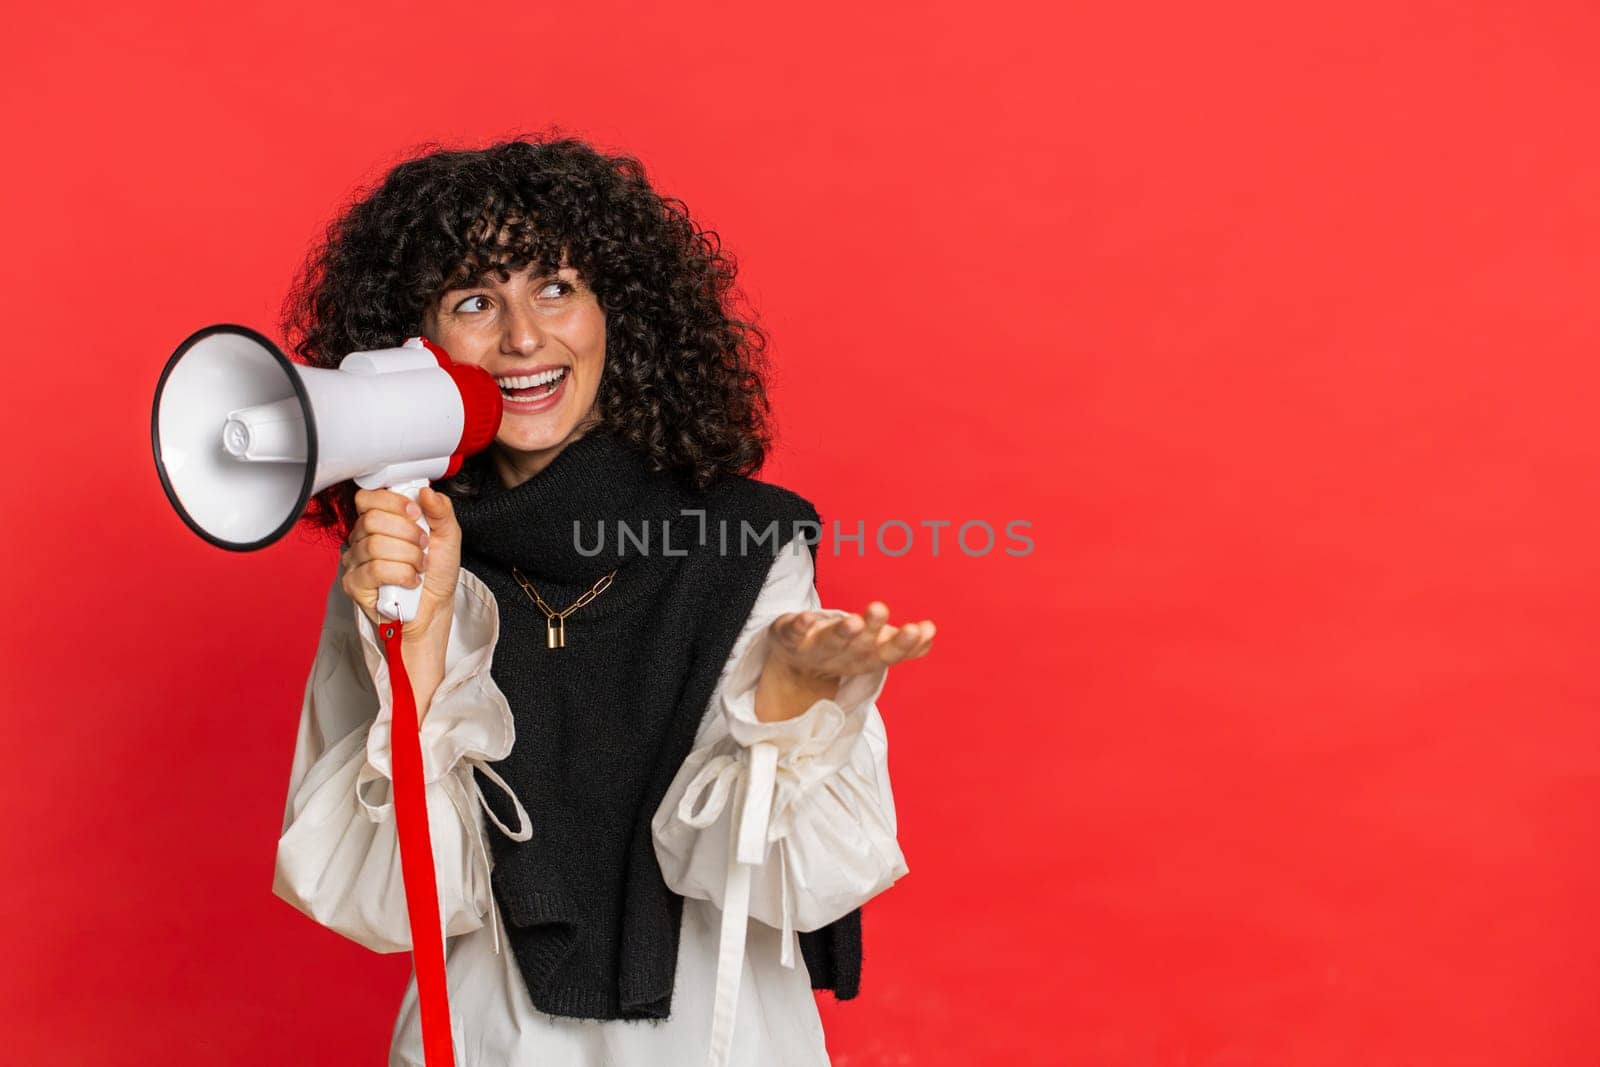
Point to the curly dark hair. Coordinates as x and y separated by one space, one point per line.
684 379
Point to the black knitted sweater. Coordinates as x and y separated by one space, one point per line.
604 723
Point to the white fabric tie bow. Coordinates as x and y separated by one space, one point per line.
763 817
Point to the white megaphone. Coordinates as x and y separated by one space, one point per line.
244 438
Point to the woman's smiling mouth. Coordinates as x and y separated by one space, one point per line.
526 394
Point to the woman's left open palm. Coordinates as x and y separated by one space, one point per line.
811 646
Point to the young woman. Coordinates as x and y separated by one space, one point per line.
620 656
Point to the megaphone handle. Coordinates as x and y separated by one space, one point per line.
400 601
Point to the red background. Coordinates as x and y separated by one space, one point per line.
1275 320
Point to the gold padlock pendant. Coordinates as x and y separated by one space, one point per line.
555 632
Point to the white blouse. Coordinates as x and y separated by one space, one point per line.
767 829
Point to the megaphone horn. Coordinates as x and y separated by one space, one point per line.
244 438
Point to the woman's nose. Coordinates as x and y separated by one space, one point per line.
522 333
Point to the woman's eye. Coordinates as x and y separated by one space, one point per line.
568 287
463 306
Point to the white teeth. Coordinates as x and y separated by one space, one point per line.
528 381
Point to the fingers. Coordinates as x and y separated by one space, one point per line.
865 632
793 627
382 521
386 500
854 633
435 505
392 549
910 641
376 572
871 641
362 578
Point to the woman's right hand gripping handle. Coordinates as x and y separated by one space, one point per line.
387 547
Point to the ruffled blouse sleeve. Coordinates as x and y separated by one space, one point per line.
791 822
338 857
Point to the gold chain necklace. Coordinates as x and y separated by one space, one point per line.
555 633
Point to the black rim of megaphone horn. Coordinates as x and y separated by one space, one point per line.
311 437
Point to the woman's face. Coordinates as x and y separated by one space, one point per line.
543 338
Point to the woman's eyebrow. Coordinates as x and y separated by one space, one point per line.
483 281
